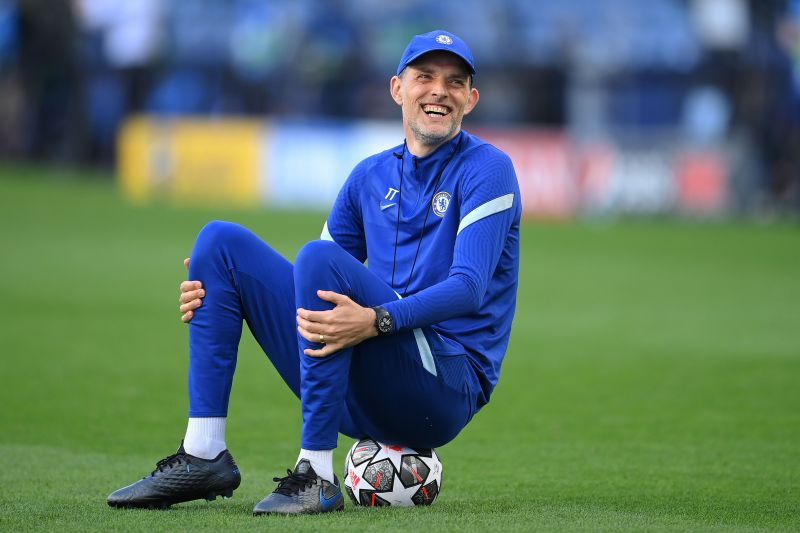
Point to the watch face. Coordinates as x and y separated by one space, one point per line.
385 324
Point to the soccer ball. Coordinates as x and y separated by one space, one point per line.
378 475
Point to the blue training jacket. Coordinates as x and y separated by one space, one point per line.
465 276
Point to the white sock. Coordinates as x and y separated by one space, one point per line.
321 461
205 437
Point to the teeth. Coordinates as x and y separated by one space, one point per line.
436 109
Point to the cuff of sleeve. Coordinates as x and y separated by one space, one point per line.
393 308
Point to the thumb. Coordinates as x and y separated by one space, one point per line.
186 262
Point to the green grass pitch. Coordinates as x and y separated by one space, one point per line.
652 381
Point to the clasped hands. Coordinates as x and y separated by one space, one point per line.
346 325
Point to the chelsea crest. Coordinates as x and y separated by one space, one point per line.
440 203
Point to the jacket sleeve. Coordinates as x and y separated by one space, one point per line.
345 225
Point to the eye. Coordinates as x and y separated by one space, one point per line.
458 82
424 76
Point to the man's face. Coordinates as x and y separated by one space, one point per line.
435 94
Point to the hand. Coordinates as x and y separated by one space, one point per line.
345 325
192 294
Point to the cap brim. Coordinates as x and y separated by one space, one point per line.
438 49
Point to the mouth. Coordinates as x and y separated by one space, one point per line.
435 110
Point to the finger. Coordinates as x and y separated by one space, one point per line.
333 297
187 316
313 327
319 317
314 336
186 262
188 296
191 306
304 324
191 285
307 335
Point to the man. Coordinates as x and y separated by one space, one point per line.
405 350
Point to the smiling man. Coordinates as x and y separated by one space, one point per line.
405 350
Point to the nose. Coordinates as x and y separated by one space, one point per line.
439 87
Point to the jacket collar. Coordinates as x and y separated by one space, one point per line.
432 161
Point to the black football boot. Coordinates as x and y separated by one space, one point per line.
302 492
181 478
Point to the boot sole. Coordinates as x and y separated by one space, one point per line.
264 513
164 505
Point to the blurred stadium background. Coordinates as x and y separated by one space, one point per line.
617 106
651 381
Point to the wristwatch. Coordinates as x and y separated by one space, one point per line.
384 323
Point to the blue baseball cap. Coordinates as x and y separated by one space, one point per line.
432 41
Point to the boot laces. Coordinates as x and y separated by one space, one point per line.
294 482
169 462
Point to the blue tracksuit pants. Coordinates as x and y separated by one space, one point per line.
400 389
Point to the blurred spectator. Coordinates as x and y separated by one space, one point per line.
767 108
47 75
122 41
788 29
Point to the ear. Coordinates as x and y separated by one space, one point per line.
472 101
394 89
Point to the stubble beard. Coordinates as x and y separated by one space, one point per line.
431 139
